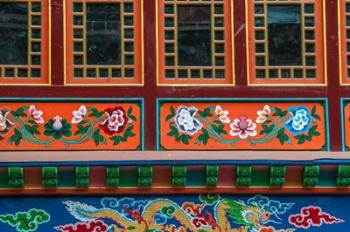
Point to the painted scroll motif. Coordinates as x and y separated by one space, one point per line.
231 125
70 126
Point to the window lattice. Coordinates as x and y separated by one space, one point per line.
286 42
194 42
345 40
104 42
24 42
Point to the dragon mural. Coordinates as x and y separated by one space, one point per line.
193 213
213 214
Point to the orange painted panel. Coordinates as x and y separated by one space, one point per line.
70 125
346 125
242 125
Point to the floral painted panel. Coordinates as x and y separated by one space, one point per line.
175 213
246 125
346 124
80 125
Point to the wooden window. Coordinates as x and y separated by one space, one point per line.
24 42
104 42
286 44
195 43
344 28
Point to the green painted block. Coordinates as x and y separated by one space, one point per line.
212 170
343 182
145 181
82 182
243 181
312 171
112 172
15 173
278 171
310 181
112 182
49 173
82 172
15 177
343 171
179 171
145 171
212 181
179 181
16 183
50 182
244 171
277 181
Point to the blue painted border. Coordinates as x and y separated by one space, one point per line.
233 100
343 101
89 100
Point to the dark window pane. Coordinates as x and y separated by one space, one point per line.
284 27
194 35
13 33
103 33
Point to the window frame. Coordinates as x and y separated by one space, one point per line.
344 79
229 66
321 48
45 50
138 66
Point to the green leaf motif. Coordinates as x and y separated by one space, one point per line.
313 113
98 138
128 132
219 129
283 137
185 139
26 221
173 131
279 112
20 112
204 137
16 137
206 112
267 129
82 129
130 115
308 137
95 113
32 129
171 115
118 139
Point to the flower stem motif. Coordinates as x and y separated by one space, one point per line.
36 114
115 121
243 127
5 123
57 128
300 120
263 114
78 115
185 120
222 114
